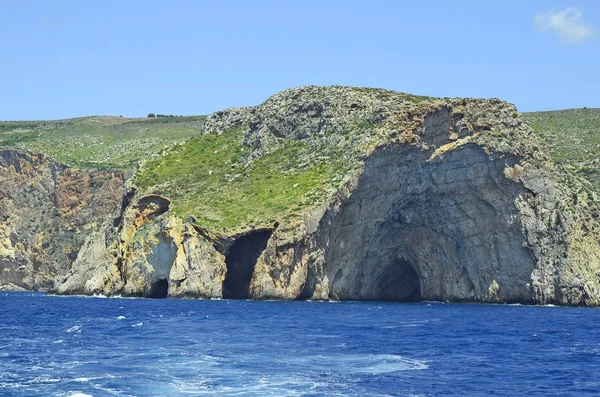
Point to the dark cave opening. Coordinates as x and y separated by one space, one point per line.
399 282
240 260
159 289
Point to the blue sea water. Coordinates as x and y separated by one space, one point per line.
77 346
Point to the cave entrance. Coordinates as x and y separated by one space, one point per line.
159 289
399 282
240 260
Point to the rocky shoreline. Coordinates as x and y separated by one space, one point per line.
440 199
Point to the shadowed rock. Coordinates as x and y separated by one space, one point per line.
159 289
241 260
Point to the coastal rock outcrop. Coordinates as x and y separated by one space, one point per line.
393 197
47 209
139 252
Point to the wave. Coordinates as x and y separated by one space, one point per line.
358 363
76 328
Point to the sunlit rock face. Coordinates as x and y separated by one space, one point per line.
444 200
413 229
47 209
467 211
147 254
417 224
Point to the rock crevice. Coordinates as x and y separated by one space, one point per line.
240 260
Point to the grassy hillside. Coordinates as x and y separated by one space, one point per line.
206 179
209 179
99 142
572 138
275 165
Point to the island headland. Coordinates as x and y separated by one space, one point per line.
322 193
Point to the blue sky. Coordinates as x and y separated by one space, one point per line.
64 59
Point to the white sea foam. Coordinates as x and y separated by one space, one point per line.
272 386
78 394
121 318
370 364
323 301
138 324
267 386
323 336
435 302
76 328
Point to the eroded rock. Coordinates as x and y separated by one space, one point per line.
446 200
145 253
46 211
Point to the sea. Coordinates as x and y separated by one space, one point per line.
95 346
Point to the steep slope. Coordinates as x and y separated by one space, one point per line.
353 194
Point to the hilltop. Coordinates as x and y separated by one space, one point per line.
570 137
260 166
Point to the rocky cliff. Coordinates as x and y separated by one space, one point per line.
350 193
46 211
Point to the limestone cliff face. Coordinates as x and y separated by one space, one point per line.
46 211
464 212
447 200
140 252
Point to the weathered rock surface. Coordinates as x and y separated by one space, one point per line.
139 252
446 200
46 211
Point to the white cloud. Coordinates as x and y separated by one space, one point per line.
567 24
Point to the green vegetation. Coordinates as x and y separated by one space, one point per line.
210 178
99 142
572 139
